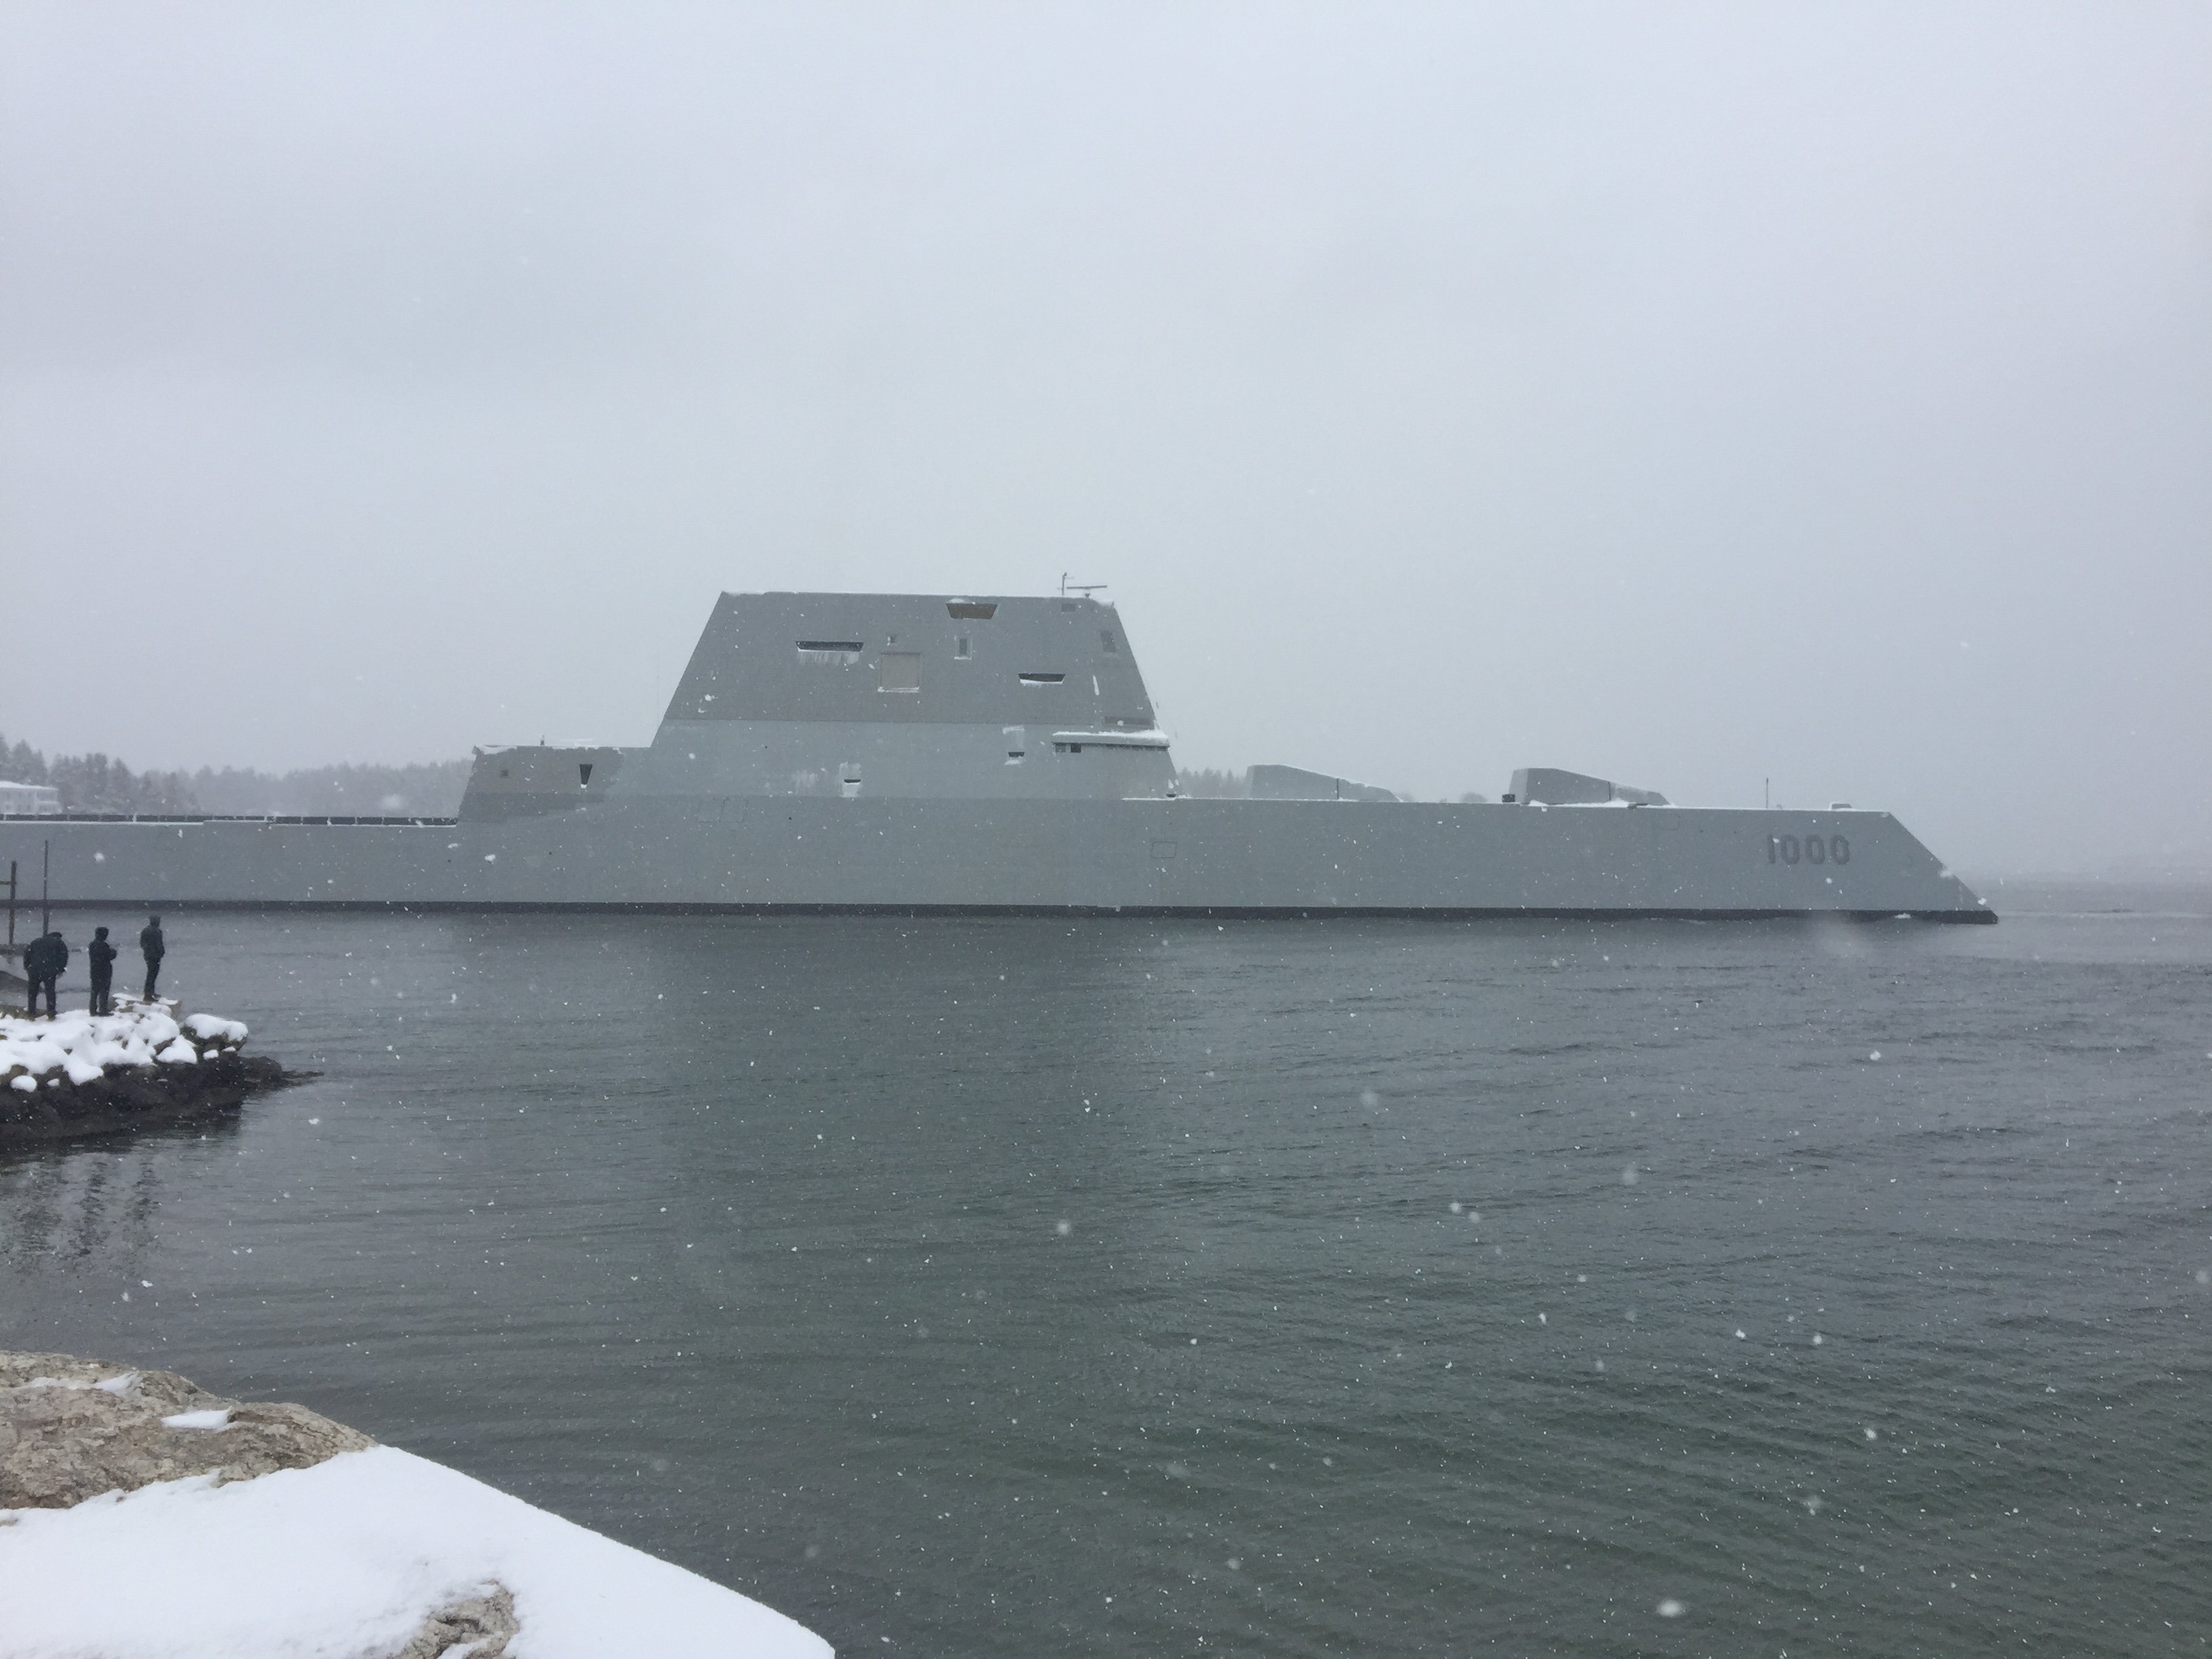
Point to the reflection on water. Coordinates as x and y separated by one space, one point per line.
95 1199
1370 1286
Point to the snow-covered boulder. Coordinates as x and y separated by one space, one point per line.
71 1428
85 1074
144 1516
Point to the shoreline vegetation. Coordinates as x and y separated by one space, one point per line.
141 1067
100 783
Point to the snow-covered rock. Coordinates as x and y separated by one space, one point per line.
71 1428
82 1045
351 1550
85 1074
213 1028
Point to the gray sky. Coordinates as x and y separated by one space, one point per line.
1689 394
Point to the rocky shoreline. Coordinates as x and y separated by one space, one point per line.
139 1098
71 1428
74 1429
139 1068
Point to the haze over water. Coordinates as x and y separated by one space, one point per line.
1010 1286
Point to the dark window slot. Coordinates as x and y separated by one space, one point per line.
829 645
1042 680
969 610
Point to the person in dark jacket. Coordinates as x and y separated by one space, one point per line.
34 971
44 959
150 945
101 956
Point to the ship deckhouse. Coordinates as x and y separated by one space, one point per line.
914 696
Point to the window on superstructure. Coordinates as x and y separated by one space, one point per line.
962 647
1039 677
970 609
900 671
1106 639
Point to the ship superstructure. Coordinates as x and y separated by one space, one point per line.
850 696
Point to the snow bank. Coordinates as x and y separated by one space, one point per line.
83 1047
347 1558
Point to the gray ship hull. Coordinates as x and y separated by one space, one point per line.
1165 856
915 752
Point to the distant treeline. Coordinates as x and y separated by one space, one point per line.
96 783
93 783
1206 784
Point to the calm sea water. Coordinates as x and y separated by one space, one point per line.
1016 1286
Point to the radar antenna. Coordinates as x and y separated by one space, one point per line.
1086 589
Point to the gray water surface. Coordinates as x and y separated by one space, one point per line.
1025 1286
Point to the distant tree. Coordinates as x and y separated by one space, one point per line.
22 763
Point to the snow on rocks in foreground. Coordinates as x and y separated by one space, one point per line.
348 1558
82 1046
368 1553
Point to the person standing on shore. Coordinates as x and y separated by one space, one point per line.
150 945
101 956
44 959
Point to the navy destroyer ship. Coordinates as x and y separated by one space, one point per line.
835 751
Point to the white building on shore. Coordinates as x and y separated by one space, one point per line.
29 800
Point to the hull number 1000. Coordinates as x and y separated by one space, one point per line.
1812 849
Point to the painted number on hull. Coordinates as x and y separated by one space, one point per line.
1812 849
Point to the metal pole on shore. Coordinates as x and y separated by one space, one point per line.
11 906
46 888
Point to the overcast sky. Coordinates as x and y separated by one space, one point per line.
1689 394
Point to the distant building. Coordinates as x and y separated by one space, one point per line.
29 800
